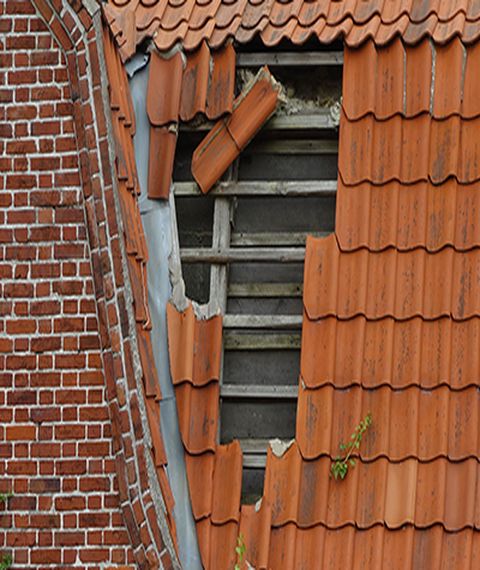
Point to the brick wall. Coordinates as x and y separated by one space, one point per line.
55 433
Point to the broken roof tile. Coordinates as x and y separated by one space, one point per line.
227 483
194 347
228 137
255 523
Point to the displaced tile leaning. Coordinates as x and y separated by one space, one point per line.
390 327
189 22
180 90
228 137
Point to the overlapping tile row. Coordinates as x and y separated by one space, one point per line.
373 353
123 122
377 548
180 88
379 492
227 138
214 471
409 163
189 22
409 423
390 283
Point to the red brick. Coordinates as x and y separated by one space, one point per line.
21 433
70 503
46 556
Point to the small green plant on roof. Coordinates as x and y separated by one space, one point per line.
340 466
240 550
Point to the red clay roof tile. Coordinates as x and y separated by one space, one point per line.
378 492
255 529
407 217
164 89
163 141
383 284
198 416
408 422
227 483
222 86
355 20
200 477
195 83
200 365
386 351
228 137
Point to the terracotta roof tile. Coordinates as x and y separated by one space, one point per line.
206 86
217 543
202 12
200 477
200 365
355 20
255 529
222 87
408 217
386 351
195 83
164 89
376 548
383 284
163 141
378 492
408 422
254 106
198 416
193 38
227 483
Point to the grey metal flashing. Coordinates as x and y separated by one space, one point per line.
157 221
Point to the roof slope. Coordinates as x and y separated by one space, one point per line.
189 22
391 326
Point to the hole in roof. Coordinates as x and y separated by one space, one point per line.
281 188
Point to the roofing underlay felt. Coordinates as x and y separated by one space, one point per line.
391 312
